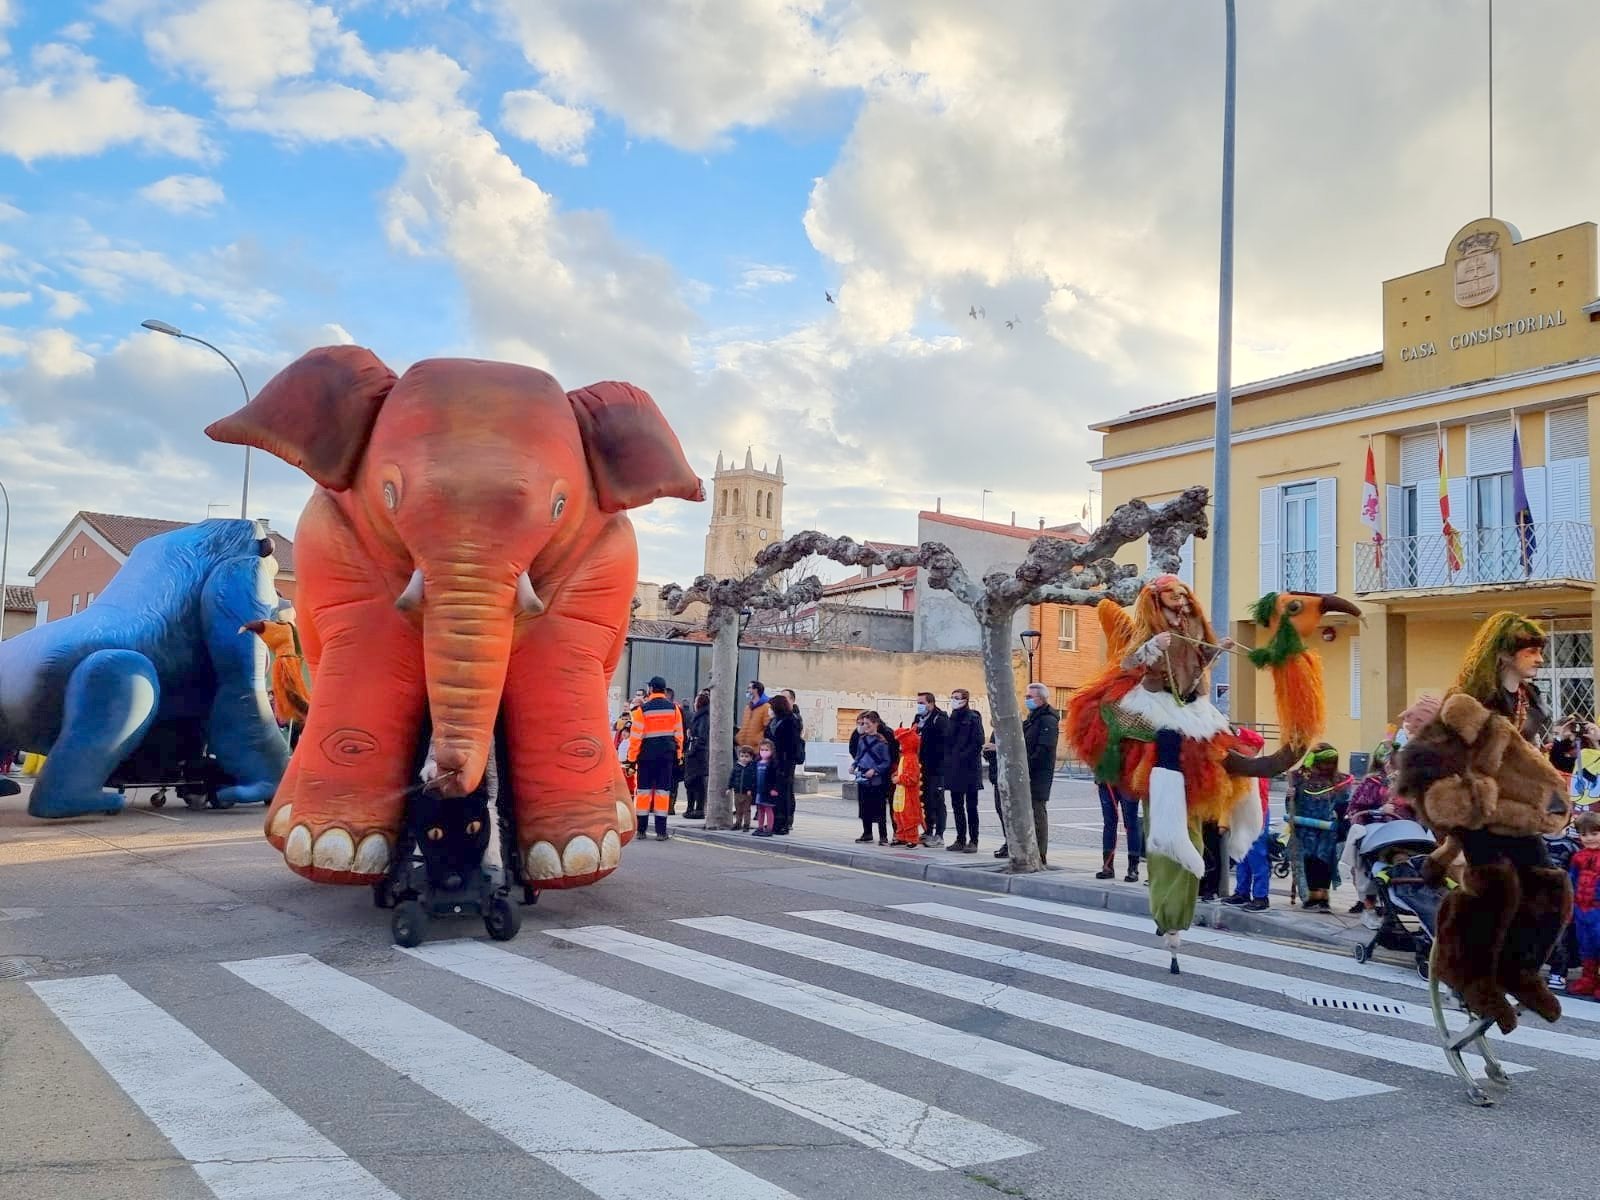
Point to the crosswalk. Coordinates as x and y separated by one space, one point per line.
933 1038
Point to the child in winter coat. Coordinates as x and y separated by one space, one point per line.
769 788
1253 874
742 786
1585 871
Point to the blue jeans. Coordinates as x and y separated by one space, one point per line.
1110 801
1254 872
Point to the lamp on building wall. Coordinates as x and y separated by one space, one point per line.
1030 639
155 326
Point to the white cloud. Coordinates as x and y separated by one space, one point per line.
556 129
238 48
760 275
69 110
8 17
77 31
14 299
117 270
55 353
184 194
64 305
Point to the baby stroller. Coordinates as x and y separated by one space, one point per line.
438 869
1393 854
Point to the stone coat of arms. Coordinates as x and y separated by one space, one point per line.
1478 269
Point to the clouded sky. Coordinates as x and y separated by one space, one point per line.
662 192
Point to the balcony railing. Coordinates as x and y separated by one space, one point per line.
1563 550
1300 570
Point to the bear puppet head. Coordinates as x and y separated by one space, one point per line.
1468 769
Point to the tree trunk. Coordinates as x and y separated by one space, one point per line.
1011 755
724 685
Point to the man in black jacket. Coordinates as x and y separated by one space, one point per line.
1041 730
933 726
963 769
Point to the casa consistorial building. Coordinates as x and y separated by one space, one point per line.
1477 414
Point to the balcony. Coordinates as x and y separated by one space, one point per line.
1490 557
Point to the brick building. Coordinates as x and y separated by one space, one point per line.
91 549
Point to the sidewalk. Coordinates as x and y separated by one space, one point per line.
826 827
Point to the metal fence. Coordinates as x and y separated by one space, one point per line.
686 666
1560 550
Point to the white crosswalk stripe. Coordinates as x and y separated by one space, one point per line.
1236 943
246 1143
1105 1095
1292 986
606 1149
908 1129
1311 1030
1155 1040
242 1142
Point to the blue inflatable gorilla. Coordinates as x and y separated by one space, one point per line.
157 668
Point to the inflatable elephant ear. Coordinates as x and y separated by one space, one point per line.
315 414
633 454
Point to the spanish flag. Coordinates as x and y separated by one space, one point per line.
1452 539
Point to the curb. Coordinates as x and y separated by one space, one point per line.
1045 885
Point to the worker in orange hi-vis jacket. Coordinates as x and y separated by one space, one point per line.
655 747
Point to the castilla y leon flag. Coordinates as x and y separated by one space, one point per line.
1527 541
1369 508
1452 539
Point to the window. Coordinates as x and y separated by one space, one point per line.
1300 537
88 600
1493 551
75 601
1067 636
724 502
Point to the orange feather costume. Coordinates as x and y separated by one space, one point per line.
291 694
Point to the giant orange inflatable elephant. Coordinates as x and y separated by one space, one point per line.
464 561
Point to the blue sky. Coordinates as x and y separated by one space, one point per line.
662 193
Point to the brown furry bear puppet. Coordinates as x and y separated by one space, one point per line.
1490 795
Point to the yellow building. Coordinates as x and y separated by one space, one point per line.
1502 335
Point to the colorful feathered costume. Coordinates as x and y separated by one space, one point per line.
1147 726
908 781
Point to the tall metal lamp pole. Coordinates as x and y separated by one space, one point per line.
1222 448
156 326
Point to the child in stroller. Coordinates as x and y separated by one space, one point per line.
1393 855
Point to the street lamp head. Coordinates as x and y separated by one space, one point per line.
156 326
1030 639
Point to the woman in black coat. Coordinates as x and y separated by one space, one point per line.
697 758
783 731
963 769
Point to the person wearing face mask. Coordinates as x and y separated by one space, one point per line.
933 727
1041 731
963 769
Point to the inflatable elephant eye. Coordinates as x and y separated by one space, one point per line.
557 507
474 826
391 495
435 834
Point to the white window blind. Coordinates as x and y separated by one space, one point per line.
1327 535
1488 448
1355 678
1067 636
1567 433
1419 457
1270 560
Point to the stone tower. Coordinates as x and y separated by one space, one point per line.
746 514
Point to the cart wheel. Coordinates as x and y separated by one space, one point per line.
502 920
1361 952
1281 870
159 800
409 924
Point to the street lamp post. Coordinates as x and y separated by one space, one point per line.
1222 446
1030 642
5 554
156 326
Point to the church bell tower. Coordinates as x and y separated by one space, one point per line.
746 515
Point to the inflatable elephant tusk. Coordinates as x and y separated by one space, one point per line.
412 597
527 599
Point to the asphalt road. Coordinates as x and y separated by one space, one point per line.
709 1022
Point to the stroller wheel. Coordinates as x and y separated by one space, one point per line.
1361 952
409 924
502 920
1422 969
159 800
383 893
1281 869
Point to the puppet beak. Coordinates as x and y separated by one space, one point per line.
1338 604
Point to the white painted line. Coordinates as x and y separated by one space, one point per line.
1339 964
909 1129
1311 1030
241 1141
1119 1100
147 812
606 1149
1292 986
1158 1041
